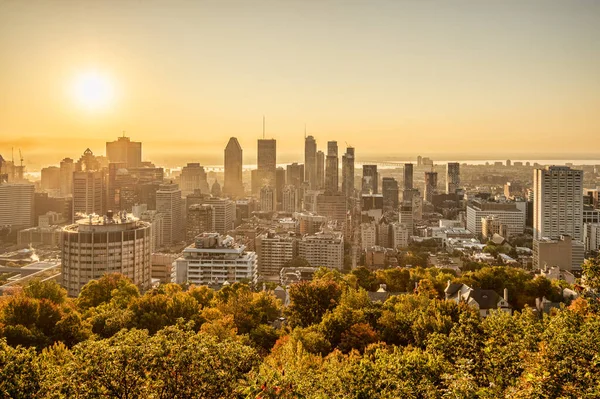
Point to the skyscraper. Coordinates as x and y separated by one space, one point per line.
267 199
193 177
88 192
295 174
67 167
370 178
452 177
557 202
290 199
169 203
320 169
348 172
430 185
310 162
125 150
332 167
233 169
389 189
267 162
408 176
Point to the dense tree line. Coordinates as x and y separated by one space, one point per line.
193 342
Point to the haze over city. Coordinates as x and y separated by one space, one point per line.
452 80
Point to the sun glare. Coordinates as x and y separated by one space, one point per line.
93 91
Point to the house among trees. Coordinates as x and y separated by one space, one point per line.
484 300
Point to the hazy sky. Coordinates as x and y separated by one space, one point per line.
457 78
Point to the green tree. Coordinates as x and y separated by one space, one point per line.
309 300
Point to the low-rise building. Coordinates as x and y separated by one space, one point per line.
564 253
486 301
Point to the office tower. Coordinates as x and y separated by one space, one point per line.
505 213
320 170
215 190
310 162
233 169
17 205
557 202
389 188
267 162
99 245
254 182
224 214
113 200
332 205
332 167
88 161
323 249
67 167
290 201
295 175
417 205
371 201
216 259
199 220
348 172
452 177
563 252
169 203
430 185
406 216
126 151
267 199
88 193
408 176
370 180
279 184
44 204
50 179
274 252
193 177
419 161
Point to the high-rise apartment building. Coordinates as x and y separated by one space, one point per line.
332 167
99 245
274 252
193 177
389 189
370 180
310 162
17 205
169 203
562 252
199 220
267 199
431 180
557 202
323 249
267 162
291 200
408 176
320 170
233 169
126 151
452 177
348 172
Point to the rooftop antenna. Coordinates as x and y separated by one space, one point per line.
263 127
123 133
305 131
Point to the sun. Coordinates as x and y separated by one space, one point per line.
93 91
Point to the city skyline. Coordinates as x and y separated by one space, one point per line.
423 78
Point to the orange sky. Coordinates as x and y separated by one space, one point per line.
392 78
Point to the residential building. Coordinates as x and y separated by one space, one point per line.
323 249
485 301
332 205
291 200
591 237
215 259
310 223
163 269
199 220
267 199
274 252
400 235
99 245
452 177
558 202
223 213
17 205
